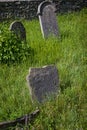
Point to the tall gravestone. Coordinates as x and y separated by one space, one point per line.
18 28
47 18
43 82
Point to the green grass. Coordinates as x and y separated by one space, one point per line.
69 53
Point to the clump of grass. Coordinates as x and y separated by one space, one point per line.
67 112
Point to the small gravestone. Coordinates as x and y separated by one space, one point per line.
47 18
18 28
43 82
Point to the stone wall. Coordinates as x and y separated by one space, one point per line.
28 9
18 9
70 5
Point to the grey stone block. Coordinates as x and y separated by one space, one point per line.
43 82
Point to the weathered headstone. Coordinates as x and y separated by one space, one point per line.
43 82
18 28
47 18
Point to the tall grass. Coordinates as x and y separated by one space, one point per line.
69 53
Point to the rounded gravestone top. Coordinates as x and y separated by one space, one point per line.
18 28
47 18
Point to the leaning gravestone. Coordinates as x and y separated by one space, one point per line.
43 82
47 18
18 28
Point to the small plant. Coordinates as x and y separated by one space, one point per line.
12 49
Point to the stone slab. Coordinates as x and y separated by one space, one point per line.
18 28
47 18
43 82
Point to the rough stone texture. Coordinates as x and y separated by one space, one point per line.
27 9
47 18
43 82
16 9
18 28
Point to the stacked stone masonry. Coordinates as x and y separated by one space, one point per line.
27 9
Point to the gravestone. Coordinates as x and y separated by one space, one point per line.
43 82
18 28
47 18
